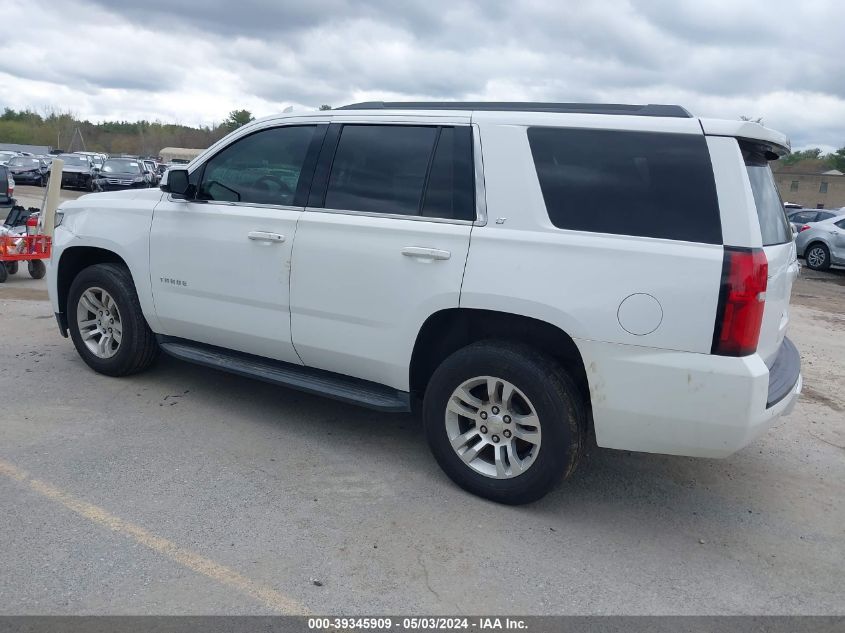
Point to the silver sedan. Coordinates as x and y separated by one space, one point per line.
823 243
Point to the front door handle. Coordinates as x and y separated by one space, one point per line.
425 253
264 236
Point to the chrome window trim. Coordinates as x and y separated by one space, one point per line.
480 188
226 203
392 216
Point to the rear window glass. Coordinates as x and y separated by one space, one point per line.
774 225
628 183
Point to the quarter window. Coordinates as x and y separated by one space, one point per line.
774 226
403 170
262 168
628 183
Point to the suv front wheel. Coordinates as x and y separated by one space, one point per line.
106 323
504 421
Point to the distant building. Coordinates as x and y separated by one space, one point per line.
31 149
811 188
179 154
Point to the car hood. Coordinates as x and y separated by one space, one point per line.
74 169
153 195
22 170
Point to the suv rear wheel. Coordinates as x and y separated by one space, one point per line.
106 324
504 421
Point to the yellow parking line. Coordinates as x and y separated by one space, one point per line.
269 597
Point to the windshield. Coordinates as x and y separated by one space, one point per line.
122 166
22 161
74 160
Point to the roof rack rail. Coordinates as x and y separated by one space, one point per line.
651 109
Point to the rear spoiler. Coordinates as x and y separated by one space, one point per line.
774 141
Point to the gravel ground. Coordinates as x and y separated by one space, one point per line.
185 490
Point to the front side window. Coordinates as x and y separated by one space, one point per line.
840 224
262 168
627 183
774 226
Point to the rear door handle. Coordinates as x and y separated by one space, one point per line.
264 236
421 252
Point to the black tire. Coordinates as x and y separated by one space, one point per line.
36 268
822 262
12 267
4 273
138 348
554 396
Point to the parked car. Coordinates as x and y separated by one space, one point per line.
822 244
363 284
29 170
78 171
5 157
152 169
7 187
122 173
803 217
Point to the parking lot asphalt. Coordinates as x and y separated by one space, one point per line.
189 491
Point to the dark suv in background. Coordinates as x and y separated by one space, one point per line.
123 173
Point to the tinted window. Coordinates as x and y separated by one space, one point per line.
121 166
824 215
774 226
804 216
262 168
628 183
380 168
840 224
450 192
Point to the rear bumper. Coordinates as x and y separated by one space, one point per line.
682 403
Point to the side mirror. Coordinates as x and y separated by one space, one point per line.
177 183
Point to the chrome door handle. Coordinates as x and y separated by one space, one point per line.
425 253
264 236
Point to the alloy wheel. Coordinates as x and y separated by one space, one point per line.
493 427
816 257
98 319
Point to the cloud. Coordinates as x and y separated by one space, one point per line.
195 60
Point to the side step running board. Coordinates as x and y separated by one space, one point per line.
322 383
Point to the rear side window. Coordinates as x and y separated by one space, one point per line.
774 226
403 170
628 183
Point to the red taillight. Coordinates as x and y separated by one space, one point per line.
742 298
804 228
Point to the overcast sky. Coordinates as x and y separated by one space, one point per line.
192 61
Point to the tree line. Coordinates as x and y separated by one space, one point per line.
64 130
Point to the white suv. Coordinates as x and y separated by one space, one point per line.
528 273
